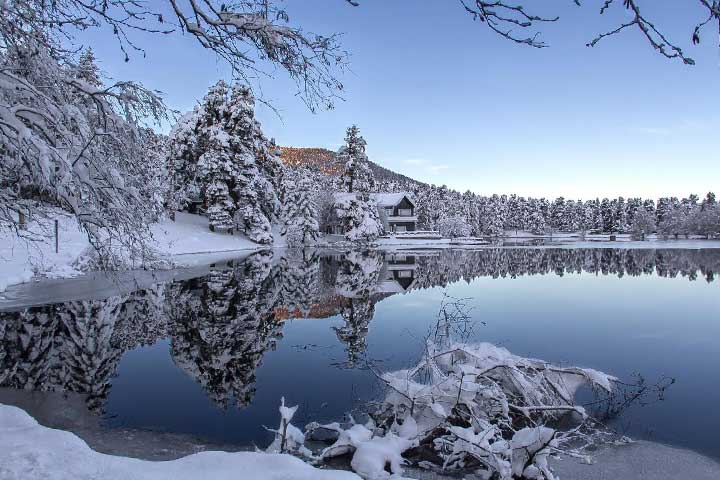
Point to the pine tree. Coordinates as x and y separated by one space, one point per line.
356 176
216 168
87 69
557 214
643 223
220 154
708 201
496 216
536 218
360 218
608 215
357 211
300 224
620 223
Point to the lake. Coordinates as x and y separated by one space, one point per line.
211 356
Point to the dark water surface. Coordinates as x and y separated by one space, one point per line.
211 356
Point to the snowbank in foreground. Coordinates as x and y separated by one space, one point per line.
30 451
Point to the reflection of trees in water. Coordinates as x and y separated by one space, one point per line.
357 313
75 346
449 266
221 325
358 274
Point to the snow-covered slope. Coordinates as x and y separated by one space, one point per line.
23 258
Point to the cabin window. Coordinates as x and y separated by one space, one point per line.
400 228
404 274
405 212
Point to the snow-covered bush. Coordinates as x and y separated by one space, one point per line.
288 437
454 227
471 408
467 408
643 223
359 217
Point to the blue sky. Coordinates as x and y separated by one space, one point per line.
440 98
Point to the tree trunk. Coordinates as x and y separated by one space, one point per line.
22 221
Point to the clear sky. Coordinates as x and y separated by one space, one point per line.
440 98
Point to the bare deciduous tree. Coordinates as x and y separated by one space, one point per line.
513 21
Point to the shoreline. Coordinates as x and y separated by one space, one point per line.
66 413
98 284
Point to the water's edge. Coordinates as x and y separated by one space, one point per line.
67 411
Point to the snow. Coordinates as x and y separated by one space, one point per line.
189 234
389 199
371 457
29 451
22 260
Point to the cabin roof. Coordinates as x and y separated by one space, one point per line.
383 199
390 199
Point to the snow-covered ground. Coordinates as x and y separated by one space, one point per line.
22 258
185 241
29 451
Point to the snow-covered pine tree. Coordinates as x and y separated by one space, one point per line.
220 153
87 69
496 212
217 175
708 201
356 210
471 212
608 215
557 214
536 219
356 176
259 168
621 219
300 224
216 165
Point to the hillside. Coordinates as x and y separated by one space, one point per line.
326 162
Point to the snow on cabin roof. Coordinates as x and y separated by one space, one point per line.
389 199
383 199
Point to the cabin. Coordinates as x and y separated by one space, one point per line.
396 211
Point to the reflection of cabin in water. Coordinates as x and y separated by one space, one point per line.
398 273
396 211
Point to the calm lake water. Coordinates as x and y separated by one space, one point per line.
211 356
